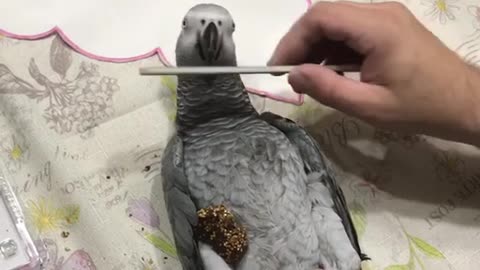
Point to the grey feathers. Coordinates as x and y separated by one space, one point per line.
316 167
265 169
180 207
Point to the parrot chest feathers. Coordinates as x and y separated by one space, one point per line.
234 164
255 171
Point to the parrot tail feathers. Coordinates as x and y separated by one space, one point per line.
364 257
318 169
181 209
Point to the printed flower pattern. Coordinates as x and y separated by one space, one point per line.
148 264
142 211
170 96
469 50
70 95
75 104
307 113
5 41
441 10
15 151
79 259
45 216
475 12
359 217
419 249
88 100
449 167
369 188
143 261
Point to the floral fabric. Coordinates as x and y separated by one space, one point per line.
81 142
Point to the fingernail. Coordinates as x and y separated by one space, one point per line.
299 81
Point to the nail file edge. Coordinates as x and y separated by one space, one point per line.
159 70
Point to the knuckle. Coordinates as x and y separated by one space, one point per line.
381 114
315 9
371 116
328 92
396 7
396 16
320 6
322 9
398 11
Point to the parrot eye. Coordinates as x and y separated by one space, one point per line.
202 21
184 23
233 26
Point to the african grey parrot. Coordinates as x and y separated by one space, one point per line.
264 168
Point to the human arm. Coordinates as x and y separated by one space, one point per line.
410 81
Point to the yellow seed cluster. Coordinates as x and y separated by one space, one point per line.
217 227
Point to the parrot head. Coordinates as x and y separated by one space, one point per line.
206 38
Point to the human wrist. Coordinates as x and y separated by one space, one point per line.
471 122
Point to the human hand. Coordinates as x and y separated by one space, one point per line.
410 81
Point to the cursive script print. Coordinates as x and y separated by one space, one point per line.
100 182
106 186
338 133
406 140
468 187
63 154
73 104
41 179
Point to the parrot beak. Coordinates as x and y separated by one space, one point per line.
210 43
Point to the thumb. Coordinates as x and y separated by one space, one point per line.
333 90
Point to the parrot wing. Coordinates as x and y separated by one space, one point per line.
314 162
181 209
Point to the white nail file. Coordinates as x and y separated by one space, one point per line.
17 249
206 70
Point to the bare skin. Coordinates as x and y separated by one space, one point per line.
410 81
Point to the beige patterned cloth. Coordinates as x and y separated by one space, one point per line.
81 141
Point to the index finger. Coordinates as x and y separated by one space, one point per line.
345 22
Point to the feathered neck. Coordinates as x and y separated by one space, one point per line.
201 99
